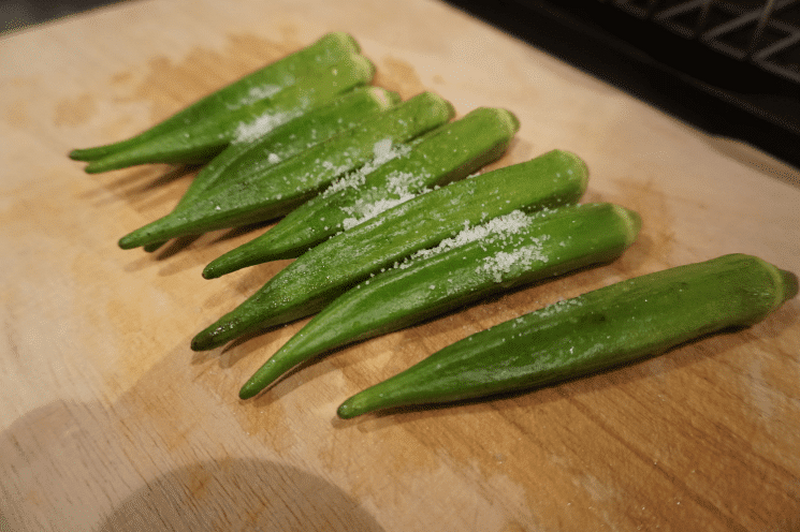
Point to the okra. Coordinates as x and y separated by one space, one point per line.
291 138
451 152
599 330
263 194
505 253
256 86
201 140
260 194
288 139
326 271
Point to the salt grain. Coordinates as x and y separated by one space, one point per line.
248 132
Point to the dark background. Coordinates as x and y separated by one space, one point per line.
16 15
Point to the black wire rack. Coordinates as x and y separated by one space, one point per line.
766 34
730 67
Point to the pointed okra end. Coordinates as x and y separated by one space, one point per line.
393 392
255 252
98 152
369 400
117 161
210 338
266 375
226 264
313 340
135 239
86 154
235 259
129 241
155 232
355 406
216 269
102 165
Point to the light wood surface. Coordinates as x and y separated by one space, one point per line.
110 422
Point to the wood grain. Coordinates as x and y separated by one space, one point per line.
110 422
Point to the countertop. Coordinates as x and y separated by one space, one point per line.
111 422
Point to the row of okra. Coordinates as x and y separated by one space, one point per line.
383 206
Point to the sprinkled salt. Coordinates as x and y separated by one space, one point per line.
259 92
508 224
502 262
247 132
383 151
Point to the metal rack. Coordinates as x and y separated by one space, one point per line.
765 33
730 67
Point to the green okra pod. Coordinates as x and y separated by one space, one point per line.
326 271
602 329
257 86
291 138
260 194
451 152
203 139
288 140
506 252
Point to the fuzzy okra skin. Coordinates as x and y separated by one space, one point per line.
202 140
291 138
260 85
505 253
451 152
263 194
326 271
614 325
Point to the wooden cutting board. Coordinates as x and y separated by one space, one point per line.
110 422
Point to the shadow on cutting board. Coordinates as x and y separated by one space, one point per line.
166 500
65 459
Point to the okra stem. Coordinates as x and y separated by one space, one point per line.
323 273
599 330
451 152
505 253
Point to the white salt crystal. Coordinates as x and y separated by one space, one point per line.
508 224
247 132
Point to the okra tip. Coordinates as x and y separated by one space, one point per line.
131 240
223 265
108 163
215 335
377 397
267 374
353 407
249 390
80 154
